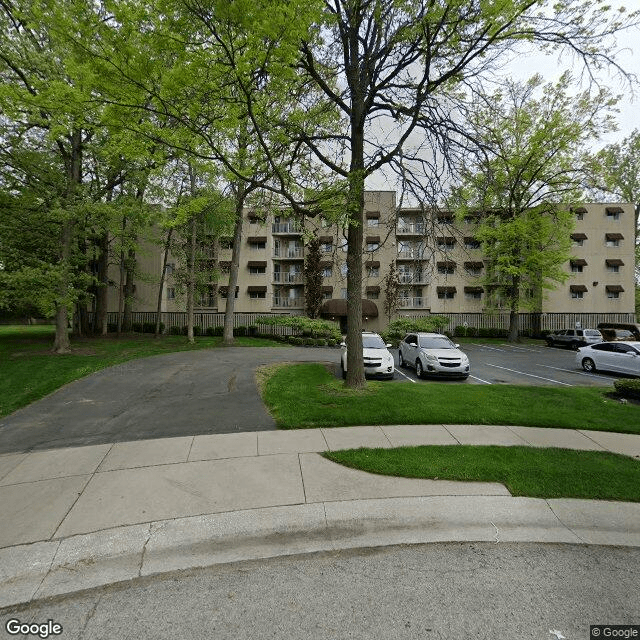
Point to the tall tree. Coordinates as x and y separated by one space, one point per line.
392 69
523 182
313 296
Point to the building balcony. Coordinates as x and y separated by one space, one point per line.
286 227
414 278
412 254
411 303
288 253
288 278
289 303
413 228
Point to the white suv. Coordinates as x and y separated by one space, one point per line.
433 354
378 360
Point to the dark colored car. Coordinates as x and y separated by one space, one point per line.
573 338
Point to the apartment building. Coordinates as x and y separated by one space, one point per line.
439 264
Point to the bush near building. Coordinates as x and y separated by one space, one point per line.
628 388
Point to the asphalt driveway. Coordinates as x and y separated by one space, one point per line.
179 394
214 391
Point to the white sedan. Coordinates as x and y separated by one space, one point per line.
621 357
378 360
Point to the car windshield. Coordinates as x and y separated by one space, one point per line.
373 342
436 343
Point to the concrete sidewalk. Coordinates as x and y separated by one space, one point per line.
84 517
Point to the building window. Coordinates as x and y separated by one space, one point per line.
613 268
344 269
471 243
171 293
257 270
613 243
576 268
226 243
473 295
446 269
446 244
343 294
372 246
373 272
578 295
327 272
578 242
256 246
613 239
373 222
613 215
326 247
170 268
446 295
343 244
613 294
257 294
373 295
579 215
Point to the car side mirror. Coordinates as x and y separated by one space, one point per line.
457 346
413 344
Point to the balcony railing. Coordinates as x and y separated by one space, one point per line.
286 227
287 252
288 302
283 276
416 228
411 303
413 278
411 254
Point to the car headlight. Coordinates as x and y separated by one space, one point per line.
430 357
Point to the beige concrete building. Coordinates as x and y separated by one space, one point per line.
439 264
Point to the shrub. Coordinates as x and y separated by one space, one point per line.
150 327
398 329
175 331
465 332
308 327
628 388
136 327
112 327
321 342
240 331
331 342
295 340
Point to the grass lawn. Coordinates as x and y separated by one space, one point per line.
30 371
307 396
525 471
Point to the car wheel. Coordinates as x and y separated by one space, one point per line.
344 373
419 370
588 364
401 362
549 343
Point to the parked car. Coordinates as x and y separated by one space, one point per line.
606 327
621 357
378 360
574 338
613 335
433 354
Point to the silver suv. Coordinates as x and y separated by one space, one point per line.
574 338
378 360
433 354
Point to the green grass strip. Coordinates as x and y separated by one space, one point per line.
304 396
29 370
525 471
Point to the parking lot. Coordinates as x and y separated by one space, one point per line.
526 364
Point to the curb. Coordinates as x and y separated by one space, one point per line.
45 569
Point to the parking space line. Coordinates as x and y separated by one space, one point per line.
484 346
518 348
480 379
522 373
405 376
578 373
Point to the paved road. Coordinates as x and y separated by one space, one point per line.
179 394
214 391
446 591
526 364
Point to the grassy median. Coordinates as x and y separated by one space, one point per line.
30 371
308 395
525 471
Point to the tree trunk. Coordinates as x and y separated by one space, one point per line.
191 281
102 287
227 332
167 246
130 266
514 331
